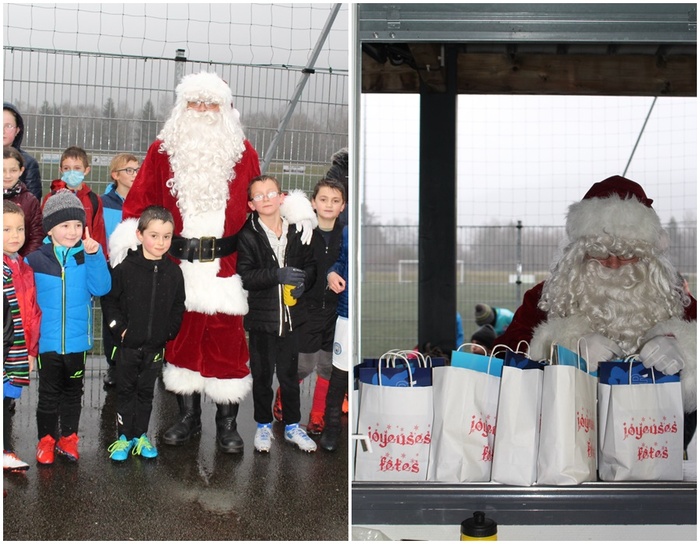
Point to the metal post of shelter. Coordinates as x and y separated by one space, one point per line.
437 237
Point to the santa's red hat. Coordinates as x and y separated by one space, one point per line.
619 207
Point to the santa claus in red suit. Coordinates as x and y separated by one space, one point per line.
199 169
614 288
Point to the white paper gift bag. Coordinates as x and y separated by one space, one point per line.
518 430
397 421
642 439
465 404
568 434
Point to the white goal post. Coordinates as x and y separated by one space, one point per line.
408 270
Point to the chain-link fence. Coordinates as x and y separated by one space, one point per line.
110 104
495 265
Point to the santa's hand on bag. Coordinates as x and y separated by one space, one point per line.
662 353
307 230
596 348
291 276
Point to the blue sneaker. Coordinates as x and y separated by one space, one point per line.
144 448
119 450
296 435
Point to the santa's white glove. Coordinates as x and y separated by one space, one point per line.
596 348
663 353
307 230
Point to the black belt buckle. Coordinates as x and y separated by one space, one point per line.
209 240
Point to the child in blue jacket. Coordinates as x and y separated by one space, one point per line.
68 273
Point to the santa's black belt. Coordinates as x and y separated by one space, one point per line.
204 249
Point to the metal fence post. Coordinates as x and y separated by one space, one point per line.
518 261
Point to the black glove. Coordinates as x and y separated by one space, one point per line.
298 290
290 275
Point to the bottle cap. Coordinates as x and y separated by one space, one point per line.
479 526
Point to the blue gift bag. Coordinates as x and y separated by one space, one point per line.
394 372
487 364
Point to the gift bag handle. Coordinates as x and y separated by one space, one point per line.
527 352
587 359
420 357
405 360
578 356
472 344
390 356
631 359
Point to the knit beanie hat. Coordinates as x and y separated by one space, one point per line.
484 314
618 207
62 206
485 336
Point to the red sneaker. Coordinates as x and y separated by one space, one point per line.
277 406
68 446
45 450
316 424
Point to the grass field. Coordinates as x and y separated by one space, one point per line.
389 318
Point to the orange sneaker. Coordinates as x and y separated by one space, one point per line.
345 404
316 424
277 406
68 446
45 450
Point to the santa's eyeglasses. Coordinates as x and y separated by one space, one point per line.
202 104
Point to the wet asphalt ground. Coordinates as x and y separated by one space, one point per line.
190 492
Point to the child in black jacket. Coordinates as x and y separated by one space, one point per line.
271 256
143 310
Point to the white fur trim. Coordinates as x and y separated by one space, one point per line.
183 381
564 331
122 240
296 207
209 294
627 219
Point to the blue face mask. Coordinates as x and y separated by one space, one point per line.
73 178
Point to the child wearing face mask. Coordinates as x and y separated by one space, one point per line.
75 166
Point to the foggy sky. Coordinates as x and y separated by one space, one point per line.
277 34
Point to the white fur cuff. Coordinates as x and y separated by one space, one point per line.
122 240
296 207
183 381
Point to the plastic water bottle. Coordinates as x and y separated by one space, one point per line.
479 527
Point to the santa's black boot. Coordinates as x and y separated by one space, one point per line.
334 407
190 422
227 438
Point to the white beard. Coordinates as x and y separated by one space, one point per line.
203 151
620 303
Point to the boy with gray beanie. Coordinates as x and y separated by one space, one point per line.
68 272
